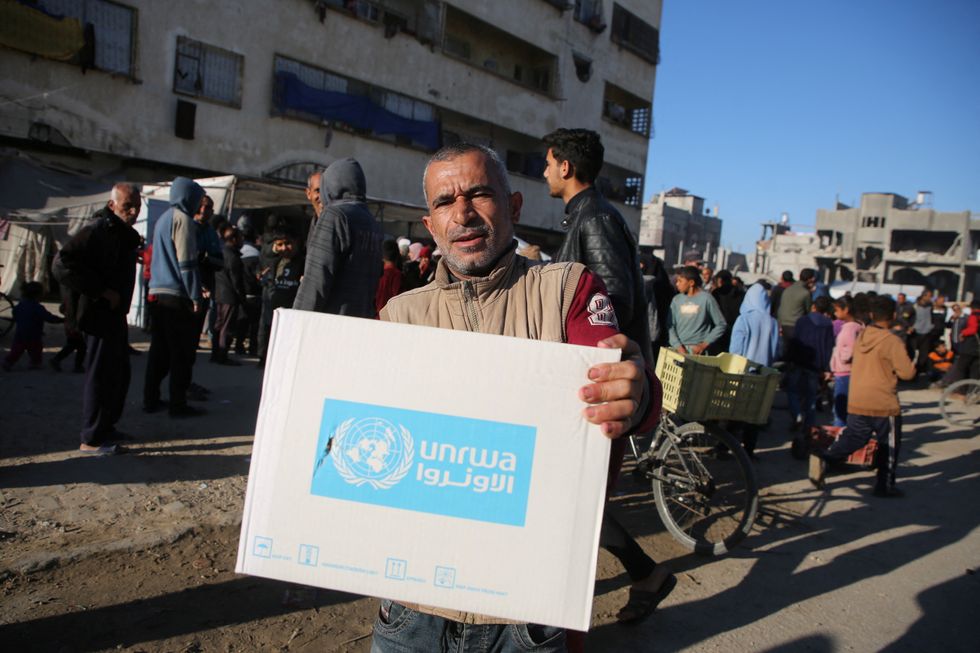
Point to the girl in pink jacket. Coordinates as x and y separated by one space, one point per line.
840 360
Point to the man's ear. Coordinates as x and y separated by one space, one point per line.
427 221
566 169
516 202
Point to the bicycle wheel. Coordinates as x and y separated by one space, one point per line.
706 496
6 315
960 403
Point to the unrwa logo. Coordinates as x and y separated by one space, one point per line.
370 451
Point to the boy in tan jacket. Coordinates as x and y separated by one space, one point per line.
879 361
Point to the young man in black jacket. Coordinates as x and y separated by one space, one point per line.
599 238
98 266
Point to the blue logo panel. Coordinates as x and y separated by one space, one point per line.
427 462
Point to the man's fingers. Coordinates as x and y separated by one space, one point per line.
612 390
614 417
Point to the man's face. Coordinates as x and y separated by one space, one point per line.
683 284
126 205
940 302
205 211
901 298
554 174
313 194
706 274
283 247
470 216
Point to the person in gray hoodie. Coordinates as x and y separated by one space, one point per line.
175 281
343 255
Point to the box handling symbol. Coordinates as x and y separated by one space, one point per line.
445 577
308 554
262 547
396 569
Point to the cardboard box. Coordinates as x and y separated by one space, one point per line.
425 465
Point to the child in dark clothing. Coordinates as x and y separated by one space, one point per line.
29 319
282 281
809 355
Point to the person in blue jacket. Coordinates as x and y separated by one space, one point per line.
755 335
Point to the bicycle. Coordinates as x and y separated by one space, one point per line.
6 313
703 482
960 403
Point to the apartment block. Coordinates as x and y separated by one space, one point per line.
142 90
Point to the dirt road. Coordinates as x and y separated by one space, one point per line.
136 552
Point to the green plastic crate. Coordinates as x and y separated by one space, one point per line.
722 387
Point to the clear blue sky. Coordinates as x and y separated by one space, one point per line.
780 105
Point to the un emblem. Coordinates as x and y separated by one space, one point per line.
372 451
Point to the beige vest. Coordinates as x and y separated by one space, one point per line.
521 298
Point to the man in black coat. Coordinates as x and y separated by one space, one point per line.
599 238
98 266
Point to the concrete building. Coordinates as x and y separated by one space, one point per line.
142 90
888 239
676 221
781 249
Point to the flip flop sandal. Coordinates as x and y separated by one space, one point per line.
641 603
104 450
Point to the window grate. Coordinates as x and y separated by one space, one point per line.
208 72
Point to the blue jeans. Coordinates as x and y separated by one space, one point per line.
801 394
402 630
841 385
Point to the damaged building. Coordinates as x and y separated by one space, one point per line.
134 90
674 222
888 239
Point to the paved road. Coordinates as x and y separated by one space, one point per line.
824 571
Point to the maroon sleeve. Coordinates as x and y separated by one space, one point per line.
592 318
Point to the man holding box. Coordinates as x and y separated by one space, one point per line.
482 285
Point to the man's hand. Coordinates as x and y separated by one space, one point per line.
699 348
617 389
681 349
112 297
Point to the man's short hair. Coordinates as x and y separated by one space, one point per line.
823 304
882 308
282 232
788 276
806 274
725 277
456 150
582 148
309 178
690 273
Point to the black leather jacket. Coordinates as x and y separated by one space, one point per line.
599 238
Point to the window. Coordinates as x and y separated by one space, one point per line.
309 93
93 33
208 72
589 13
626 110
635 35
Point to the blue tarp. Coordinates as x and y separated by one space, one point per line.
357 111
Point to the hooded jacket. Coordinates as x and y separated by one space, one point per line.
755 334
174 270
599 239
880 360
343 255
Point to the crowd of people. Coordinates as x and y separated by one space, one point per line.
204 275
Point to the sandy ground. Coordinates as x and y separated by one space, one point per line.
136 552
